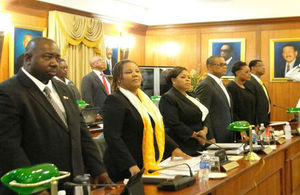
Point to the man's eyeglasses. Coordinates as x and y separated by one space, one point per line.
220 64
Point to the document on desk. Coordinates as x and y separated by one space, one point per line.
170 173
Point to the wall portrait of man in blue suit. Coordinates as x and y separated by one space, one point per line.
22 35
284 56
233 50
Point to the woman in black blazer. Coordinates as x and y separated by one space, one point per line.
243 98
183 115
129 114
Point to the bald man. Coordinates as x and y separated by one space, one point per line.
95 87
40 120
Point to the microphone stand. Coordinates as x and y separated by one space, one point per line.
224 162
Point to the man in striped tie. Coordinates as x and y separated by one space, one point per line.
41 122
262 97
95 87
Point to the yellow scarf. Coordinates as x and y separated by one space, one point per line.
145 106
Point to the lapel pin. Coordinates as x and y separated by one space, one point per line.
65 97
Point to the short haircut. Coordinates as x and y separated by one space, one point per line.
173 73
94 59
290 45
118 71
211 60
229 45
238 66
253 63
33 43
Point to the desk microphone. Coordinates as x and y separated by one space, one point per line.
221 153
71 184
284 108
179 182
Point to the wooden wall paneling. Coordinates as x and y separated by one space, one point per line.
257 36
285 94
293 169
188 40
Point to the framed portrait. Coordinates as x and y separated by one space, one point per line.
20 37
284 59
232 50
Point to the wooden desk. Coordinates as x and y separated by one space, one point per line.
276 173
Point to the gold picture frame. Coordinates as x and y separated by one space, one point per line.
17 48
277 61
238 51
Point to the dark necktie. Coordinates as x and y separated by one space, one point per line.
104 83
60 113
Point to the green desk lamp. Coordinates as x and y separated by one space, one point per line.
244 126
34 178
296 112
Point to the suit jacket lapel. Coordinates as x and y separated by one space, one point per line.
219 90
36 94
99 82
181 96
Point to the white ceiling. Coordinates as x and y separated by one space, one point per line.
157 12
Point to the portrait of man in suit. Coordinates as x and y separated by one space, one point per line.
110 61
21 38
232 50
284 59
290 55
226 51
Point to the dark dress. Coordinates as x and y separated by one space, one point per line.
181 118
123 132
243 103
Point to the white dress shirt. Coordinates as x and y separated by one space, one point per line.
107 82
220 83
54 95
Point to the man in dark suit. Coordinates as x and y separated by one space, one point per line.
62 75
212 93
262 110
226 52
110 62
40 120
290 55
95 87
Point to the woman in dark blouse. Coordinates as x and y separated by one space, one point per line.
242 97
183 115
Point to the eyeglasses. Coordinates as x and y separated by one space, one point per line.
220 64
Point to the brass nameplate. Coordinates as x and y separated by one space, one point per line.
267 150
281 140
229 166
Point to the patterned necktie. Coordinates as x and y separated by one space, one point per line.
60 113
104 83
266 93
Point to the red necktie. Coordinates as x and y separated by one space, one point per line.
104 83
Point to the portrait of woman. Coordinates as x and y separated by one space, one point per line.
133 126
183 115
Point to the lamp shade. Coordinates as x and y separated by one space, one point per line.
30 175
239 126
293 110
